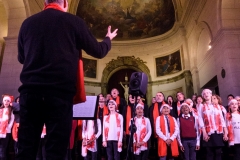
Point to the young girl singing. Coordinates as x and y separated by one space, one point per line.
6 123
142 134
213 127
233 125
113 132
90 132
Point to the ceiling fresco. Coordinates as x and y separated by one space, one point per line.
135 19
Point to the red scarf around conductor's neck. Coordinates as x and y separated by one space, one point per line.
53 6
80 95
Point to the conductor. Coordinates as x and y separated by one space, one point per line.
49 48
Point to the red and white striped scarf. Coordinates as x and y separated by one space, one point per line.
4 120
230 129
139 136
44 131
211 115
118 131
90 135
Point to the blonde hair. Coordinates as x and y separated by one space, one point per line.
232 101
205 91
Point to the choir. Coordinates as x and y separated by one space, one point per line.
131 130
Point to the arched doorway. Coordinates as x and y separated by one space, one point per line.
124 63
116 78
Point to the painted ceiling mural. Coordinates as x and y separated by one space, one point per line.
135 19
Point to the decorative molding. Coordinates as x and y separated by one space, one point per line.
215 42
150 40
12 40
2 48
124 62
94 84
178 9
151 83
40 3
192 13
73 7
221 33
194 70
168 80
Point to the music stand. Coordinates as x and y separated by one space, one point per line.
86 110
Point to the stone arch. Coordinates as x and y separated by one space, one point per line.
122 63
204 25
178 9
204 33
16 13
201 27
199 48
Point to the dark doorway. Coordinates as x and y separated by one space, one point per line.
212 85
118 77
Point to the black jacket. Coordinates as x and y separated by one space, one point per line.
174 111
48 47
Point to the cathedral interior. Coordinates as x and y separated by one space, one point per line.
180 45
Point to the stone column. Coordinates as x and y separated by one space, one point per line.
195 78
189 83
11 68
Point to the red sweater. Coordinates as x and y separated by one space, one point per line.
187 129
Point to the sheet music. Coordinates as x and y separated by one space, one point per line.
86 109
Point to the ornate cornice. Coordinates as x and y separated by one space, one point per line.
221 33
150 83
94 84
192 13
150 40
216 44
170 80
11 39
73 6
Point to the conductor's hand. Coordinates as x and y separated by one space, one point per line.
110 34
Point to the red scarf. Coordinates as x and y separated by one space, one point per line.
80 95
162 145
178 107
15 131
141 134
5 115
128 118
155 115
53 6
209 118
79 127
